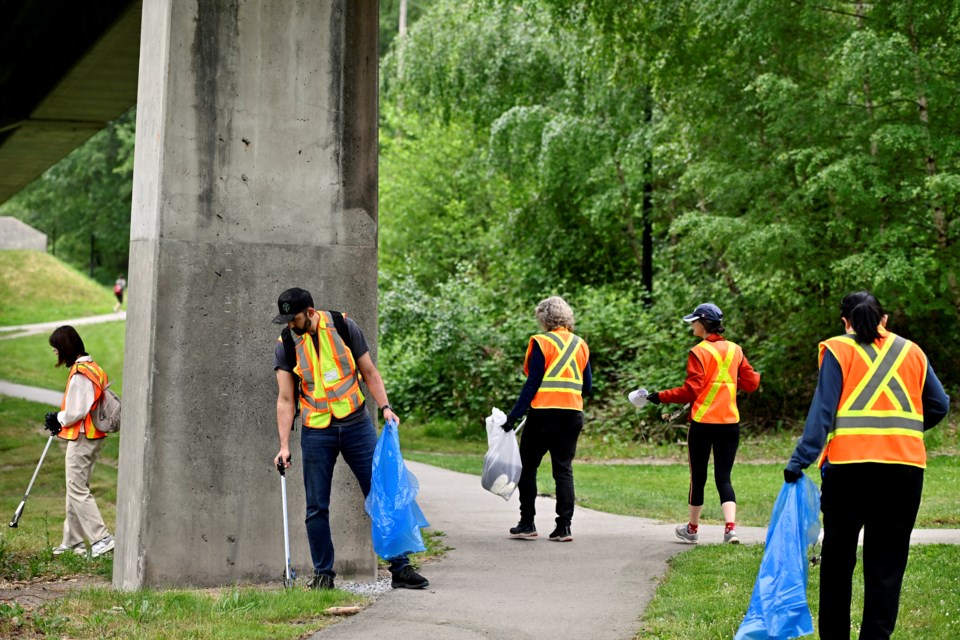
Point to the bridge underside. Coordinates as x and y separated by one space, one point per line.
67 68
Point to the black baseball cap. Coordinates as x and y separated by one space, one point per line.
290 303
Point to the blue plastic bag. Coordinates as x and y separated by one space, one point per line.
391 504
778 607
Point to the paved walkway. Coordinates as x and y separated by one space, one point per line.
490 586
21 330
34 394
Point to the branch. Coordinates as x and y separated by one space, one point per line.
830 10
879 104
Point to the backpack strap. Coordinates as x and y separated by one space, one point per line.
290 354
339 321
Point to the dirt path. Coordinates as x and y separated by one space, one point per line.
31 594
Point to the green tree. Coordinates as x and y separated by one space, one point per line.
778 155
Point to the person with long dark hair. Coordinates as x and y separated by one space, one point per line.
876 396
716 370
73 423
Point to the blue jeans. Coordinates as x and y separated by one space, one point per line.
319 448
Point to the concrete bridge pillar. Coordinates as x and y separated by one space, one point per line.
256 170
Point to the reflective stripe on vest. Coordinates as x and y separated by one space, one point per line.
880 415
717 402
330 383
565 357
93 372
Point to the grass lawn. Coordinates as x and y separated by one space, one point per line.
706 592
37 287
654 487
231 612
94 613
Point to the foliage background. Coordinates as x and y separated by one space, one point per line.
637 159
768 157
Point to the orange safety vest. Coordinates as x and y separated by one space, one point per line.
717 402
330 382
93 372
880 415
565 356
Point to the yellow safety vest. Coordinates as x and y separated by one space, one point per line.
880 415
717 402
565 357
330 382
92 371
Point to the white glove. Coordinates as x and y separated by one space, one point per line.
638 398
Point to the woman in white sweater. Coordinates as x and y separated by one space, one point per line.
73 423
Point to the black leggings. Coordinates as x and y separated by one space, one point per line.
724 440
556 431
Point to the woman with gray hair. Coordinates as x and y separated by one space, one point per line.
557 366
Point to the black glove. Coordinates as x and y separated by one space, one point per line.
51 423
653 397
509 424
791 476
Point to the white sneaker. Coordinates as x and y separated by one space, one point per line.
80 549
103 546
730 537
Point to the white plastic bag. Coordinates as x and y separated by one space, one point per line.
501 464
638 398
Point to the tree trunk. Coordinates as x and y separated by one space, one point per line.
867 89
646 270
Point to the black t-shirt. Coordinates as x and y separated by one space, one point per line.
360 347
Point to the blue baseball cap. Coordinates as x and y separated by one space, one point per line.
706 311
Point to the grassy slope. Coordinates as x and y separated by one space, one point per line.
22 439
25 555
37 287
30 361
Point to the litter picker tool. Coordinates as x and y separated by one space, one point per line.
19 512
678 415
289 574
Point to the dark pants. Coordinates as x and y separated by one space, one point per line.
320 448
881 499
723 439
556 431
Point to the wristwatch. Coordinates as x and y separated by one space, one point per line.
385 407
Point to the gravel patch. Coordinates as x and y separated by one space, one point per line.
367 589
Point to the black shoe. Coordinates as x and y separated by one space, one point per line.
320 581
562 533
523 530
407 578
